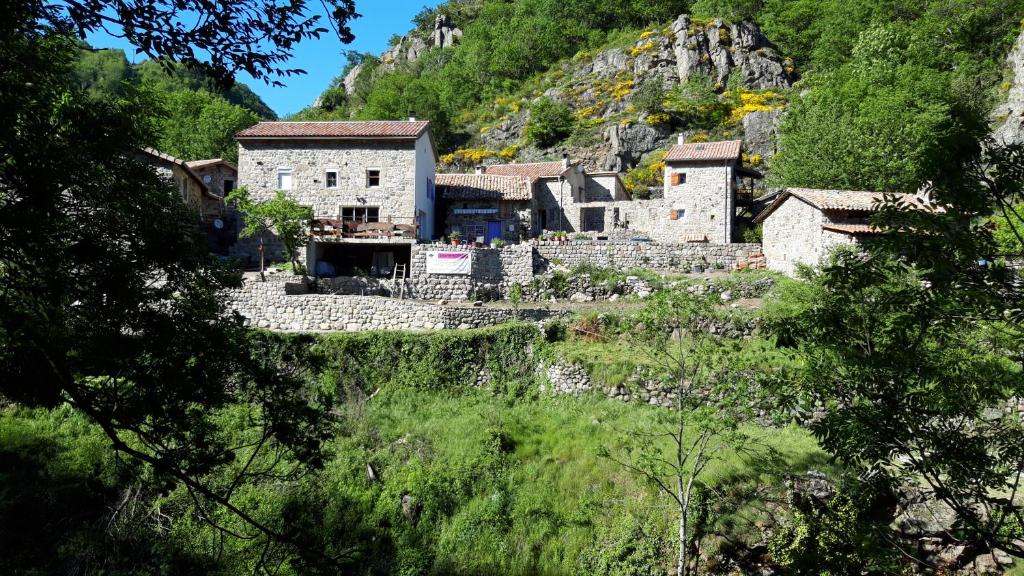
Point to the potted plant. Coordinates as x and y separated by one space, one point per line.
497 243
456 237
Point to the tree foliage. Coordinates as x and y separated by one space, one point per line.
281 216
199 125
550 122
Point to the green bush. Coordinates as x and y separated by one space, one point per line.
550 122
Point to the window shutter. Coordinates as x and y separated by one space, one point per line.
674 215
675 179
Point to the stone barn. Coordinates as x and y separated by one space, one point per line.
802 226
485 207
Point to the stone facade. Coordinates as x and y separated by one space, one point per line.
406 172
640 255
793 235
494 272
555 202
701 204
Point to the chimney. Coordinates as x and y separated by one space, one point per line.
412 116
565 161
479 169
680 140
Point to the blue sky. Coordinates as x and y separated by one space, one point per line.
322 59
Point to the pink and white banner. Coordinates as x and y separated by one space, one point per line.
449 263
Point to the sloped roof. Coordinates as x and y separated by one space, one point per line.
154 153
852 228
531 170
384 129
849 200
484 186
200 164
705 151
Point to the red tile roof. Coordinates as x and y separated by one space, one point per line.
705 151
533 170
384 129
484 187
846 200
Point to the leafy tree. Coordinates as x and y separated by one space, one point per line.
202 125
732 10
110 300
710 403
283 217
884 121
256 36
102 72
167 77
550 122
915 345
1009 232
650 96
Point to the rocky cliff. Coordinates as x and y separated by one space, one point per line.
1009 117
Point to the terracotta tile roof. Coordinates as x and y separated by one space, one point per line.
385 129
852 228
695 238
200 164
484 186
847 200
703 151
533 170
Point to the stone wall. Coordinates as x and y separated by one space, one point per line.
703 203
634 255
792 235
273 306
494 271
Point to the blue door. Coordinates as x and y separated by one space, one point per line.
493 230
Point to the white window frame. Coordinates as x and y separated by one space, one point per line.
380 177
337 178
281 171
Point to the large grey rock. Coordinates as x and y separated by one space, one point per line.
1010 116
627 144
609 63
445 32
349 82
719 50
760 132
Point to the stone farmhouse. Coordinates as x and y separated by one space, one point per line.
221 223
370 186
802 225
195 192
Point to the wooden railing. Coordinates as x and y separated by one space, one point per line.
336 228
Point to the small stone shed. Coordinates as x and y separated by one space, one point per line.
485 206
802 225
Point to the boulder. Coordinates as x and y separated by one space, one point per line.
719 50
1010 116
628 144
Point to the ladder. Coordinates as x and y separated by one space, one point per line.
399 275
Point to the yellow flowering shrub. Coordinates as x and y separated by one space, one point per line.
510 152
754 102
646 34
649 174
658 119
468 156
638 50
753 159
622 89
700 137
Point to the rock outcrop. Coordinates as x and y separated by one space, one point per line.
1010 116
719 50
413 45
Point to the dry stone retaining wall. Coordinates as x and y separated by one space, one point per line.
273 305
642 255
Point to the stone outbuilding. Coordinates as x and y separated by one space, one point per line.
802 226
195 193
557 186
485 207
370 186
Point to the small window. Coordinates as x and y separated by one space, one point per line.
229 185
331 179
360 214
284 178
373 178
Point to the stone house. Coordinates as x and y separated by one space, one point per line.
557 186
802 226
195 193
565 196
370 186
483 207
701 186
220 221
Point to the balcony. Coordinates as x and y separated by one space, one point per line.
393 229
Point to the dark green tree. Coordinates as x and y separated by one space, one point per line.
550 122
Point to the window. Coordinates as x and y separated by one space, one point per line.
360 214
331 179
284 178
229 185
373 178
679 178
